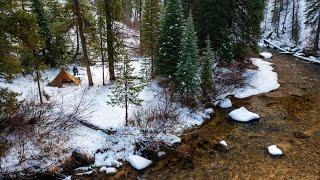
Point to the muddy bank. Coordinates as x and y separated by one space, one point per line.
290 118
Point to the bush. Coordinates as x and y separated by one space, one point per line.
157 117
8 103
38 132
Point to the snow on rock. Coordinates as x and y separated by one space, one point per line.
138 162
274 150
243 115
266 55
83 169
68 178
259 81
108 170
224 143
209 111
225 103
161 154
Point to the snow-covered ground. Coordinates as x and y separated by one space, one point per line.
105 116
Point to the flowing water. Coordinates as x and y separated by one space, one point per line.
290 118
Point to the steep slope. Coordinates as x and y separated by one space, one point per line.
284 25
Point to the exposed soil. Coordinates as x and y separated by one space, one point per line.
290 118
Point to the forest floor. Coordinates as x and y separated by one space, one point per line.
290 118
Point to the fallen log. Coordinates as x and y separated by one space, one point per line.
307 59
283 51
278 47
94 127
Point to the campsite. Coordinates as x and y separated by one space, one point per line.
159 89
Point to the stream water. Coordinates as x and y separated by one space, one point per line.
290 118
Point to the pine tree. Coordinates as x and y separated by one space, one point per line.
169 41
207 82
230 24
150 29
48 48
313 20
126 88
212 18
10 64
246 18
186 75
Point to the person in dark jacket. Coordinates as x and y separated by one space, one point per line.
75 71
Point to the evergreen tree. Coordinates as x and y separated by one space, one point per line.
169 41
44 32
150 28
212 18
245 29
126 88
231 25
207 83
186 75
9 63
313 20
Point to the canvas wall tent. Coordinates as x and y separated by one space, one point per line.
64 77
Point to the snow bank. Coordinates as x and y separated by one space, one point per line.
225 103
243 115
262 80
266 55
274 150
138 162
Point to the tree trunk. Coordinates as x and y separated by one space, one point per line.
78 43
293 22
39 88
110 40
279 18
316 42
126 104
83 40
101 47
36 68
285 17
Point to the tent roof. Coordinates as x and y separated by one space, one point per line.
64 77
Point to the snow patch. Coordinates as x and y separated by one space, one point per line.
243 115
266 55
138 162
108 170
